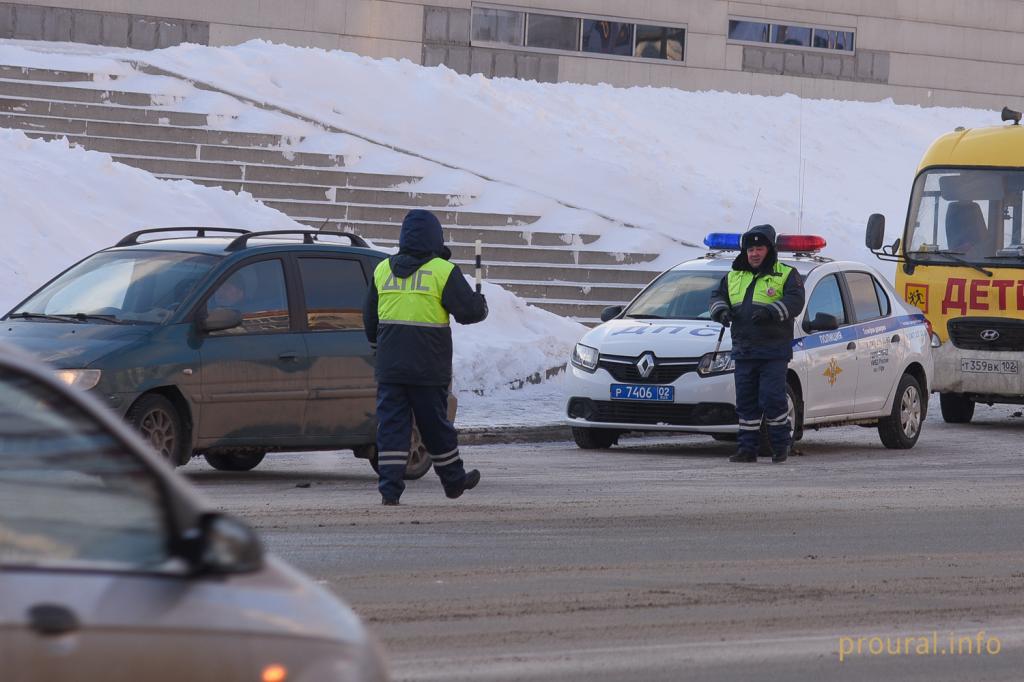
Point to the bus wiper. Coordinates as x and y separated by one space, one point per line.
953 255
39 316
641 316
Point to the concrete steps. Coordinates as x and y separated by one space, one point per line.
558 271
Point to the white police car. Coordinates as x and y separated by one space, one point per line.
860 354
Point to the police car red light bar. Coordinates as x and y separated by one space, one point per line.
803 243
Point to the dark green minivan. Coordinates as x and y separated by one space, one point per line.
225 343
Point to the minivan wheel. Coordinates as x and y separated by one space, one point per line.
901 429
416 466
158 421
234 460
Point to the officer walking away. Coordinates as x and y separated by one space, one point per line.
759 298
406 314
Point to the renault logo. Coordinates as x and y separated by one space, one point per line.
645 365
989 335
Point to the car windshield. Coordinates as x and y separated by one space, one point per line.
134 286
71 493
963 216
677 294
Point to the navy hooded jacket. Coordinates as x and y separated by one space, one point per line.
772 339
420 356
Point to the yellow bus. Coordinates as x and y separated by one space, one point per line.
962 263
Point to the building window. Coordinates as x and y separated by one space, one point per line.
521 28
791 35
659 42
552 32
608 37
498 26
833 40
752 31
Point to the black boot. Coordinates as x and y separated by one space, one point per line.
468 483
744 456
781 456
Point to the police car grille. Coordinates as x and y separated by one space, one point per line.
623 368
966 333
702 414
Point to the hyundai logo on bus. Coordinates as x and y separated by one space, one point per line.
989 335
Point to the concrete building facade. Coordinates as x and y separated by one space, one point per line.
928 52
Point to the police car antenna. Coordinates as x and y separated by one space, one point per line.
753 208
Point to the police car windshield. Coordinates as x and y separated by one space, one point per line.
132 286
678 295
966 216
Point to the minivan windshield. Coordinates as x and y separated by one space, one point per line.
127 287
677 295
966 216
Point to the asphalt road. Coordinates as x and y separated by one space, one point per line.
660 560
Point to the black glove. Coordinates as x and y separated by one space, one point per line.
483 300
723 317
761 315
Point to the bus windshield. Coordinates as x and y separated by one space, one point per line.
966 216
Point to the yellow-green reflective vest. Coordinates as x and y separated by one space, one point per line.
768 289
413 300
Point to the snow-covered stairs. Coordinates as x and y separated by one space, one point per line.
561 272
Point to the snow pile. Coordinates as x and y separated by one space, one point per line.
514 344
678 163
62 203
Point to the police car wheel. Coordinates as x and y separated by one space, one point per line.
956 408
901 429
594 439
796 423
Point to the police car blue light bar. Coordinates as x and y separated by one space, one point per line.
727 241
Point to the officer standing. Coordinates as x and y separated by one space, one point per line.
760 297
406 314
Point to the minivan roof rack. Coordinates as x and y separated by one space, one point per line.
133 238
308 237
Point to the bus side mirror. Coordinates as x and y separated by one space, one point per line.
875 232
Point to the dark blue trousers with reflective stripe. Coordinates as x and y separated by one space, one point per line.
396 406
761 392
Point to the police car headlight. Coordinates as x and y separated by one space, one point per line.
712 364
79 378
585 357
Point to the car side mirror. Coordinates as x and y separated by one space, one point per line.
223 545
875 232
823 322
220 319
611 312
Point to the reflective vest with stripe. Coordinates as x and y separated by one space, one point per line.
414 300
768 289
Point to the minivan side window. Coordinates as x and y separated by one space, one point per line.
259 293
864 295
334 290
827 299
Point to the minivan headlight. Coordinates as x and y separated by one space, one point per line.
83 379
585 357
712 364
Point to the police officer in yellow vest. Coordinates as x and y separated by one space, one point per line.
406 314
759 298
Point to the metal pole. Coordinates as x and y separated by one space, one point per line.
479 269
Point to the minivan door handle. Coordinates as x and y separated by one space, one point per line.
895 338
288 356
52 619
851 346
